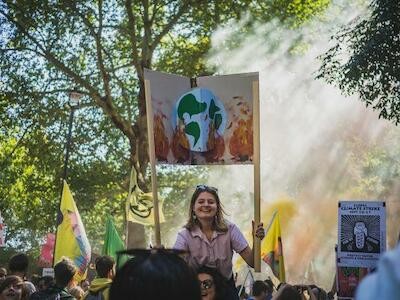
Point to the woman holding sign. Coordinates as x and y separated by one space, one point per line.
210 240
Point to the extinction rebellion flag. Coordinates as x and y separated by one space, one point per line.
71 239
139 205
271 249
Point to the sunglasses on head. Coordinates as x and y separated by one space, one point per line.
203 187
206 284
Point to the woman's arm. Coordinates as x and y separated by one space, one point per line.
248 253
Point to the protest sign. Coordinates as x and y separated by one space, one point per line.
362 233
348 279
207 120
48 272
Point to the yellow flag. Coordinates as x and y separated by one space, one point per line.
71 239
139 205
271 249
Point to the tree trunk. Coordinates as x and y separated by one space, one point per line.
139 159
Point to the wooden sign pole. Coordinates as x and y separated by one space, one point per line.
256 162
152 156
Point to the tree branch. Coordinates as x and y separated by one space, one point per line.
107 106
9 156
20 49
172 22
104 75
51 58
133 38
121 85
146 45
155 9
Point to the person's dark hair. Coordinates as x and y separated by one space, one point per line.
288 292
221 287
64 271
104 265
259 287
18 263
35 279
219 223
322 295
45 282
153 275
270 285
11 280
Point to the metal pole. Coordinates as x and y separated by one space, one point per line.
68 143
65 172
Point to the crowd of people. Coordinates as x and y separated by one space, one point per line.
198 267
150 274
14 284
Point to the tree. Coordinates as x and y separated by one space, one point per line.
365 59
100 48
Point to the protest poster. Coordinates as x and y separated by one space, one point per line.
348 279
47 251
207 120
361 233
48 272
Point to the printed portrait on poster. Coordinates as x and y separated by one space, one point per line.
360 234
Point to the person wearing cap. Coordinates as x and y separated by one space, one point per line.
210 240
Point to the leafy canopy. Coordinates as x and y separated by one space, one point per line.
49 49
366 59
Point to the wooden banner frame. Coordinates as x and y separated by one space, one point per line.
256 165
152 156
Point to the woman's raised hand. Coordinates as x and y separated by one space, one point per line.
259 230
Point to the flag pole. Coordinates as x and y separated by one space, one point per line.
152 156
270 222
257 184
127 208
73 103
244 282
58 212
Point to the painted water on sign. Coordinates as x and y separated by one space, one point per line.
200 111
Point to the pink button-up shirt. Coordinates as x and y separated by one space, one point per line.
216 253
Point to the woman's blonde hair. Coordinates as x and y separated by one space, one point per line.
219 223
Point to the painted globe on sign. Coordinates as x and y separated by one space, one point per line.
201 116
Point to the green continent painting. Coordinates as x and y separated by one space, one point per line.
203 116
190 105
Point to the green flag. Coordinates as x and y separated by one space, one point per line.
113 242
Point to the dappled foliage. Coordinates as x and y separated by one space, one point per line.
98 48
27 191
365 59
